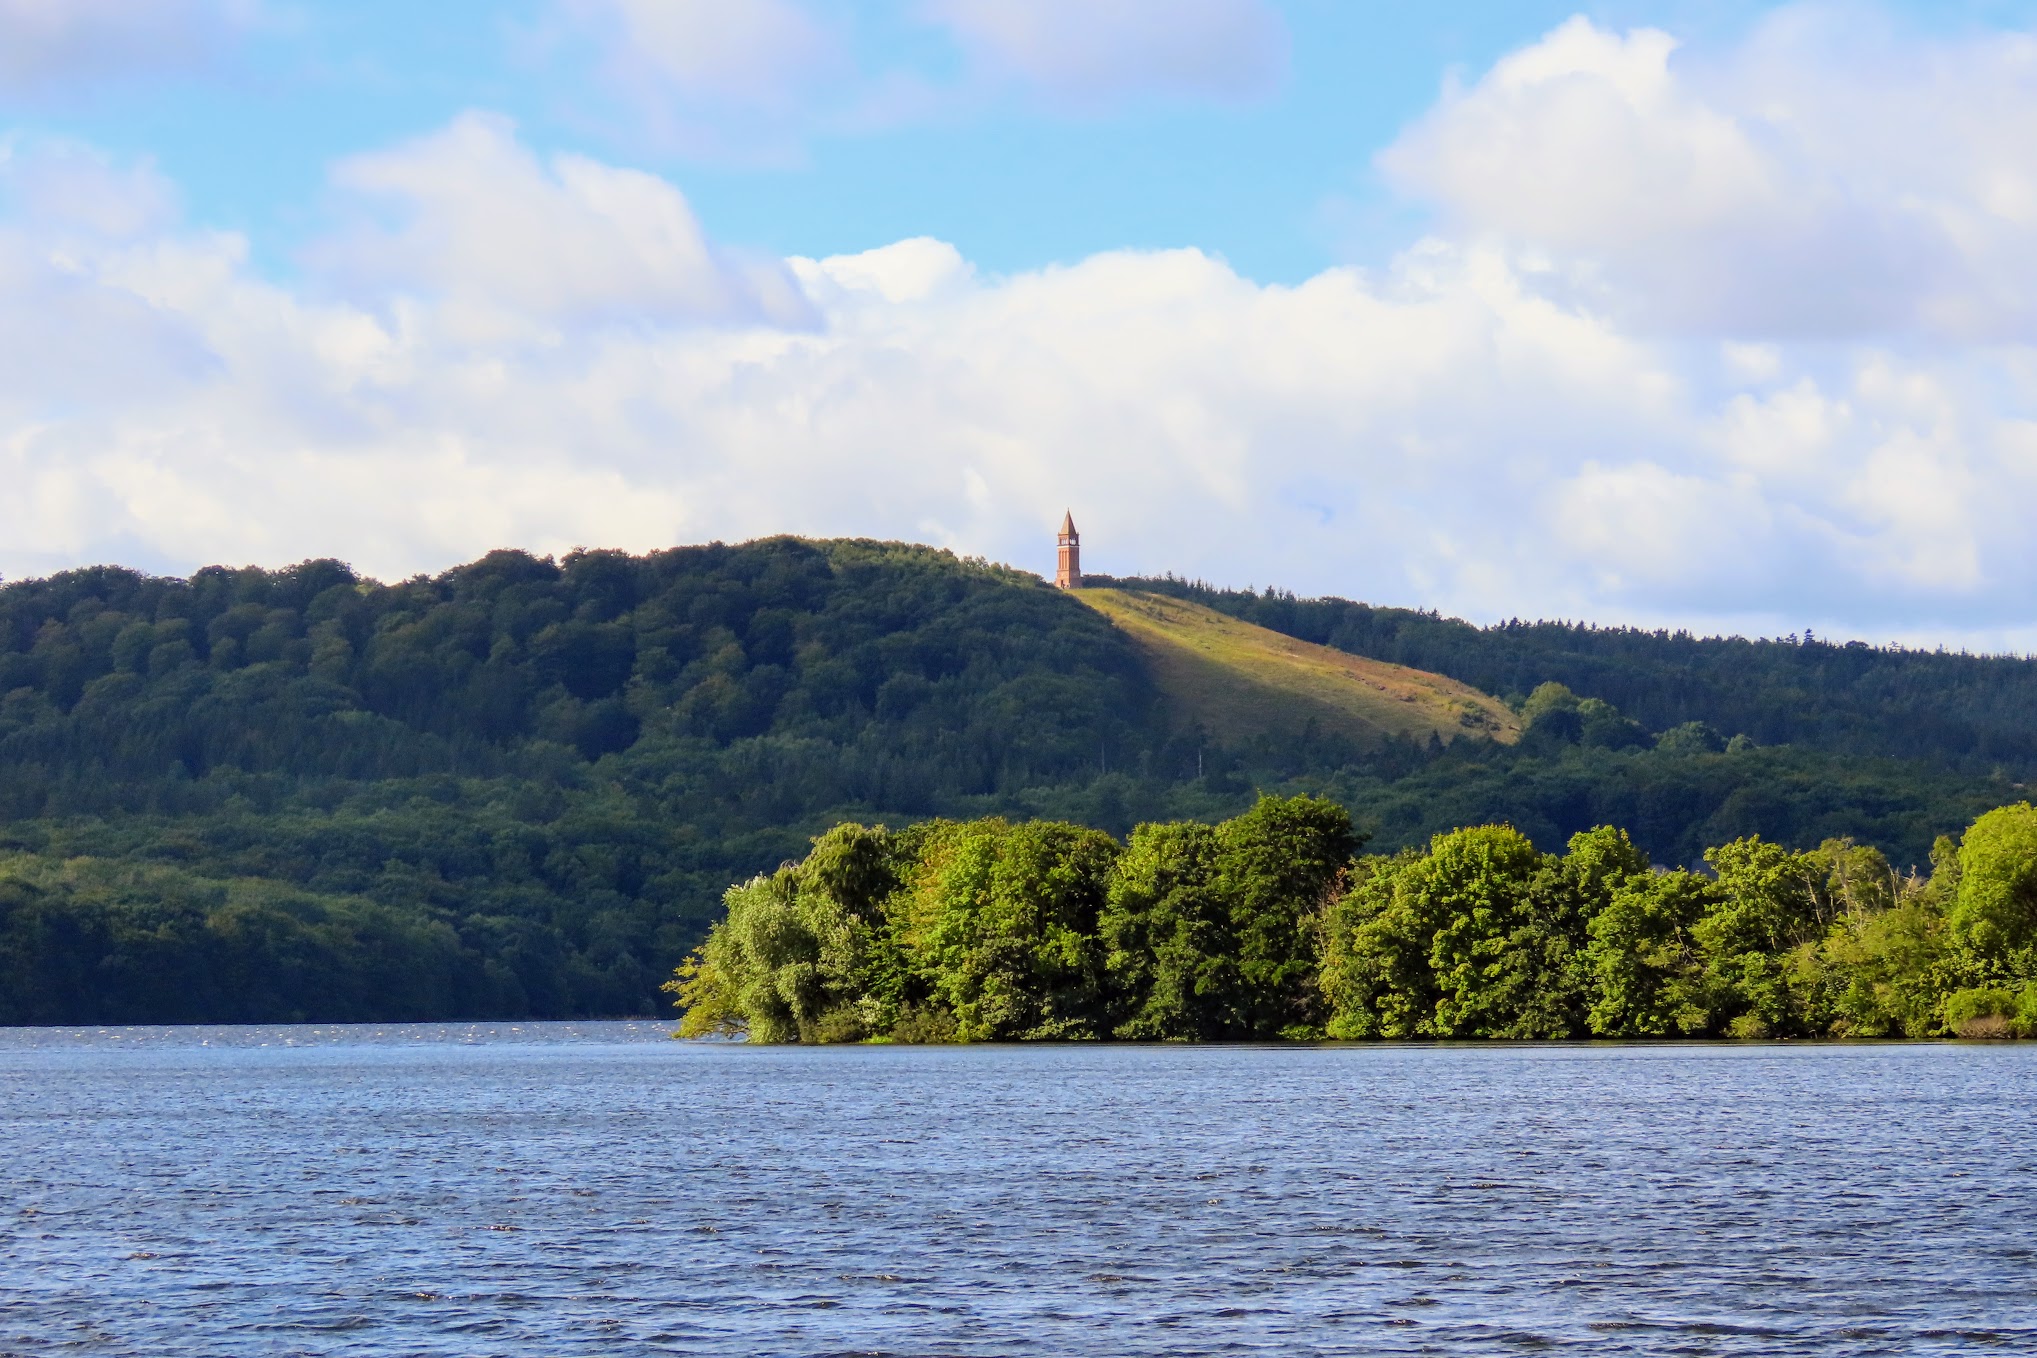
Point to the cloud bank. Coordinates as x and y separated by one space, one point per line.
1669 356
1830 179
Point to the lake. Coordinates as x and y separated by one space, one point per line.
597 1188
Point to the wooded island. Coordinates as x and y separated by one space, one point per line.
1267 926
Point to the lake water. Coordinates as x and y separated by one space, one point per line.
599 1189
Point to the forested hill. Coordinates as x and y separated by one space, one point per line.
922 676
1974 713
522 786
557 766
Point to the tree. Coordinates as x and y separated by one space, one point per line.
1376 978
1167 927
1549 974
1551 714
1890 971
1477 886
1278 869
1456 942
1000 922
1769 904
1643 961
1994 914
802 955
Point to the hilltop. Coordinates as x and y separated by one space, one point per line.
521 786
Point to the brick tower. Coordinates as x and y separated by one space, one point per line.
1068 575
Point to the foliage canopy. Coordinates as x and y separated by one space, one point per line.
1266 926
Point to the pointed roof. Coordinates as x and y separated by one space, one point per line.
1067 523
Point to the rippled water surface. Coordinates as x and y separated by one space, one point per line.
599 1189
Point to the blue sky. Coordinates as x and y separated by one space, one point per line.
1277 179
1703 314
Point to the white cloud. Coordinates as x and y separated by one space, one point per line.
72 188
552 353
1751 362
55 45
761 53
1540 410
65 339
741 82
471 219
1828 179
1098 52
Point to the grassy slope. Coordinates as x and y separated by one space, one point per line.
1243 681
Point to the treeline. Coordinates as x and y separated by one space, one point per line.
938 676
1583 763
1951 711
1271 925
88 941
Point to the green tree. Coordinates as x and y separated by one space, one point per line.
1171 951
1689 738
1890 971
1376 977
759 970
1550 975
1602 724
1472 939
1000 922
1551 714
1771 904
802 955
1994 911
1478 887
1886 962
1644 964
1278 869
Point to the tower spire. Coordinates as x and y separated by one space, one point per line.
1068 573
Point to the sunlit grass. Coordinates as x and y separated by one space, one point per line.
1240 681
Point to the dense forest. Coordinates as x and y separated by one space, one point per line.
522 786
1268 926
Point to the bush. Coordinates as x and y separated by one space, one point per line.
1982 1012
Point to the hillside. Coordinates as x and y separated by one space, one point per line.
1243 683
1953 711
258 793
